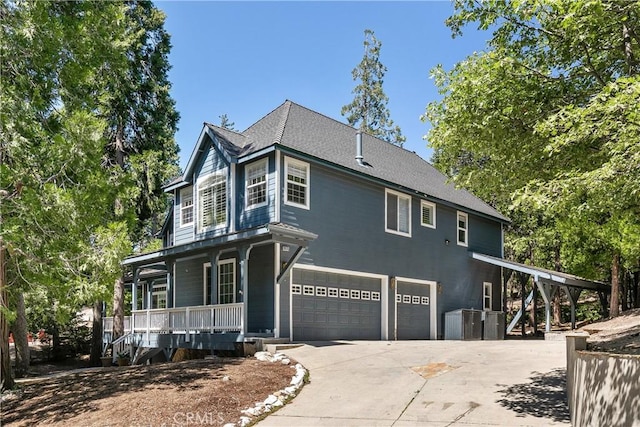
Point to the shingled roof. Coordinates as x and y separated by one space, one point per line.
314 134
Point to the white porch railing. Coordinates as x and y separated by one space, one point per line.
204 318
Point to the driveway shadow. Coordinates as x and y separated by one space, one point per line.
544 397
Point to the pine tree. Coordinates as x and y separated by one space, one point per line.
368 110
226 123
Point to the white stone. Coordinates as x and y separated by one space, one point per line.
244 421
277 403
263 356
270 400
285 361
229 425
226 378
290 390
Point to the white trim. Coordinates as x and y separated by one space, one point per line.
423 204
384 294
184 193
235 284
485 286
291 161
433 303
466 228
278 185
261 162
230 198
386 209
276 270
204 282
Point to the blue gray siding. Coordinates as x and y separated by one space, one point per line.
348 215
261 289
254 217
189 282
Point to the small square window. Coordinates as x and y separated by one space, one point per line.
344 293
366 295
415 299
296 289
355 294
428 214
333 292
406 299
424 301
308 290
375 296
321 291
398 298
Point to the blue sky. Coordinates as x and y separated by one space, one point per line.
244 59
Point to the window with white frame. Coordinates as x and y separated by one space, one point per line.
159 296
398 213
227 281
297 183
256 183
463 229
428 214
186 206
487 290
212 201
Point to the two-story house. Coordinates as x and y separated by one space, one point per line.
302 228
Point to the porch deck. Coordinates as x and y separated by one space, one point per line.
182 320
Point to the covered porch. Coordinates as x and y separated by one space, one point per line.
548 283
209 294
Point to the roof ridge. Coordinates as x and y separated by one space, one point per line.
352 127
223 128
283 122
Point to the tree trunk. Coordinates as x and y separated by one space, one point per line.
614 310
96 334
118 308
20 332
6 376
556 308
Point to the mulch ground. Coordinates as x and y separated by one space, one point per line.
204 392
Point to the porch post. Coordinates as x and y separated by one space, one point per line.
170 263
244 283
214 257
134 289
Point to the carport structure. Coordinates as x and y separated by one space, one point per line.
548 282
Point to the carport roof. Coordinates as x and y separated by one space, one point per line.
542 274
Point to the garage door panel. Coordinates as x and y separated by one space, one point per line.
330 306
413 311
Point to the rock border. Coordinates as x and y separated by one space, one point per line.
278 398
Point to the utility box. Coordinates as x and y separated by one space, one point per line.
463 324
494 325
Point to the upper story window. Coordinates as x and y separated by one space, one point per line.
428 214
398 213
463 229
212 201
297 183
186 207
256 183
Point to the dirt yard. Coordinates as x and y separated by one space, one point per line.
193 392
618 335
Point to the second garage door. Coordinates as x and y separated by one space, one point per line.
413 306
333 306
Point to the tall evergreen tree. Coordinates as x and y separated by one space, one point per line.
142 123
368 110
226 123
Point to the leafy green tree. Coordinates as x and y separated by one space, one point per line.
142 123
544 121
368 110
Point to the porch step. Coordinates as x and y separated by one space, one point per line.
277 348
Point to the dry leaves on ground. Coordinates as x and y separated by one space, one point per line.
201 392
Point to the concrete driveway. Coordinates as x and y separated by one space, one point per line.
429 383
